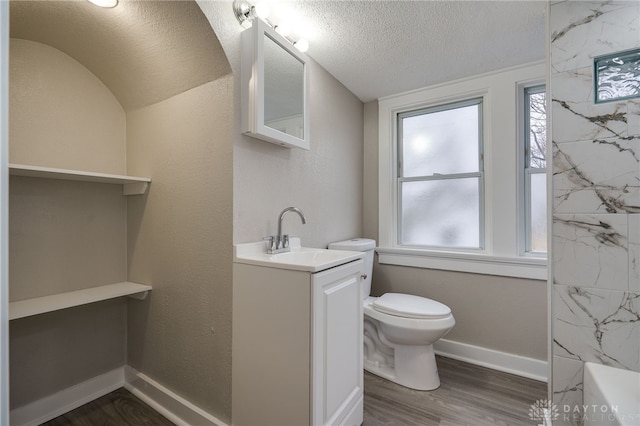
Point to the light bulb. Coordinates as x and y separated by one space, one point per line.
283 29
302 45
261 9
104 3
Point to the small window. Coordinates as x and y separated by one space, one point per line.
440 176
535 168
617 76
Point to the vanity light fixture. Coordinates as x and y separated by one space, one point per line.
302 45
104 3
246 12
283 29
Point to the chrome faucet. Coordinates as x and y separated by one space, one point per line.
280 243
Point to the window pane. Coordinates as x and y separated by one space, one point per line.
618 76
537 125
445 142
538 206
442 213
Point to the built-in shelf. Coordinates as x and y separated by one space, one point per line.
41 305
131 185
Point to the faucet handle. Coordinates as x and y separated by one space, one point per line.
270 240
285 241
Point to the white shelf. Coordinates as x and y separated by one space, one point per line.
132 185
41 305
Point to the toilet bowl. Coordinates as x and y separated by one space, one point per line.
399 329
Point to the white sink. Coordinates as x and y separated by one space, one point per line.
298 259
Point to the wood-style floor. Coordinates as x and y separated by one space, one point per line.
118 408
468 395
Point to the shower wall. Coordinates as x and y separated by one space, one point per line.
596 202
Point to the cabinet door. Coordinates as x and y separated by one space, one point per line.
337 381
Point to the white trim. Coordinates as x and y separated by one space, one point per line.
52 406
499 91
462 80
4 212
502 361
521 267
172 406
521 208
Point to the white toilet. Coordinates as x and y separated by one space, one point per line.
399 329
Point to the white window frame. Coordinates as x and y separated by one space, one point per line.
501 253
524 183
479 174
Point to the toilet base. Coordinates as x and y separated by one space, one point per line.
414 367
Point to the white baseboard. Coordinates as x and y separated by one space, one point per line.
52 406
182 412
172 406
509 363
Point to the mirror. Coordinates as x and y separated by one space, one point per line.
283 90
275 88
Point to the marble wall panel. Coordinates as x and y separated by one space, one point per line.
633 116
597 326
598 176
567 390
596 206
581 30
591 250
576 117
634 253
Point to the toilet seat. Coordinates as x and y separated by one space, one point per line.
410 306
405 322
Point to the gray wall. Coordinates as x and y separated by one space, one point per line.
499 313
179 241
596 225
325 182
63 236
71 235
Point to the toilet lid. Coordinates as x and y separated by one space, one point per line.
410 306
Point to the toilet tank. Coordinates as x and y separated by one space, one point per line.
360 244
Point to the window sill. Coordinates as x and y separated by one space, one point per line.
520 267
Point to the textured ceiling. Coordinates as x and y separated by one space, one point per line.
378 48
146 51
143 51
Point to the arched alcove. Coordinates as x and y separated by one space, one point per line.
143 89
143 51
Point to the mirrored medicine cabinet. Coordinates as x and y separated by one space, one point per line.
275 88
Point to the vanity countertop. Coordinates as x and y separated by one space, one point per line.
298 259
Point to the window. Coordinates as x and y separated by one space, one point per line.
535 167
440 176
617 76
453 186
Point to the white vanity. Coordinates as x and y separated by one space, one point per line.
297 336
